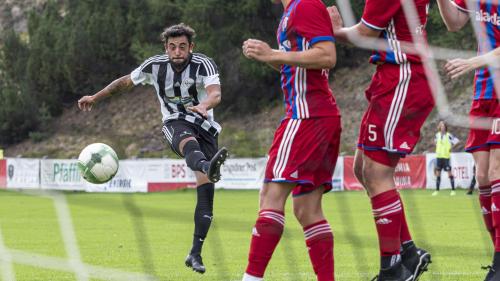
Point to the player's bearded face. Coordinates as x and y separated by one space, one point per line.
178 50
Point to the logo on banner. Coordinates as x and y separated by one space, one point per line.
10 171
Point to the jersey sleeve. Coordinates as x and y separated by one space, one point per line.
209 72
461 5
378 13
311 20
143 74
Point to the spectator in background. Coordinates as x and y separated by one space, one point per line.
444 143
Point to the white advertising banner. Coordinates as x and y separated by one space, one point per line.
461 166
131 177
23 173
338 175
243 173
139 175
248 173
60 174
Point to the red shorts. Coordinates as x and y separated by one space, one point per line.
478 138
494 136
304 151
399 102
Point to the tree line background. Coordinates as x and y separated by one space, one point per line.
74 48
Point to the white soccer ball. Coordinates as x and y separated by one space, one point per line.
98 163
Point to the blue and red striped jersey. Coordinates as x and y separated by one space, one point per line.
306 91
388 17
486 14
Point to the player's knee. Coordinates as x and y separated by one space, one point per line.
307 215
272 197
482 177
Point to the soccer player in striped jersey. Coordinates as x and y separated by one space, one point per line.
304 151
400 100
188 88
482 143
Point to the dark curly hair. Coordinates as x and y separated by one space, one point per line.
177 30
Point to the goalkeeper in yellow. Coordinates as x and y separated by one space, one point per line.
444 141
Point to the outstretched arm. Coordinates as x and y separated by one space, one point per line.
212 100
457 67
121 84
453 17
322 55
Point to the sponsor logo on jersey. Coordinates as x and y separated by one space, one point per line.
294 174
485 16
187 83
383 221
180 100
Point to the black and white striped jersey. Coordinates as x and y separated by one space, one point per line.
177 91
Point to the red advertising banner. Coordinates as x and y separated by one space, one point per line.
3 173
410 173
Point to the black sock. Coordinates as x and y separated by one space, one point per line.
452 181
388 261
202 215
408 246
438 182
496 261
195 159
472 183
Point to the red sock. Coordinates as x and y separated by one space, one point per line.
387 212
319 241
405 232
495 211
265 237
485 203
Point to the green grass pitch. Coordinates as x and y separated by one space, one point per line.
151 233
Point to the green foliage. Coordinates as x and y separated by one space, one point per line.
17 107
438 34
